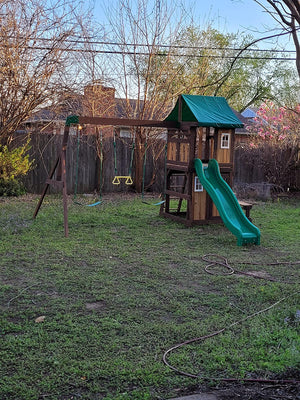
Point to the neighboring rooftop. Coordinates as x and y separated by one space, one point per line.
250 112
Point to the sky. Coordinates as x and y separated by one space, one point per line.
228 16
237 15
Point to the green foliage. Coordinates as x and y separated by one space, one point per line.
14 164
11 187
126 286
203 62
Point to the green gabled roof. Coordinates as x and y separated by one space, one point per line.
206 110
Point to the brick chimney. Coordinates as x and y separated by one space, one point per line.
99 101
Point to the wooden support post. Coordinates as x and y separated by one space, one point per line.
46 187
65 194
59 182
64 178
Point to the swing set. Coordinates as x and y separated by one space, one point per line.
59 169
199 164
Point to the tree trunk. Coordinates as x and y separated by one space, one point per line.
139 161
297 45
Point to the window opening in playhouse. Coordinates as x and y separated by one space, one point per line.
225 141
197 185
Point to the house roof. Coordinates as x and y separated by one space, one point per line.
208 111
250 112
245 121
59 113
67 108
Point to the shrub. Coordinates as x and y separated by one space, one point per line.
14 164
11 187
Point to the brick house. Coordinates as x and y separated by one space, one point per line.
97 100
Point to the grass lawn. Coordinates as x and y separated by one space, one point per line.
128 285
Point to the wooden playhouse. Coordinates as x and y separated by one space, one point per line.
206 131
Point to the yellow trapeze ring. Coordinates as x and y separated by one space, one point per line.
128 180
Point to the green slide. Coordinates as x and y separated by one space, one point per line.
226 203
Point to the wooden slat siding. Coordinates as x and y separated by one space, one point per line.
243 171
200 146
171 155
223 155
199 202
86 167
184 152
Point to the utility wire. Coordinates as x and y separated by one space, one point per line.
167 46
134 53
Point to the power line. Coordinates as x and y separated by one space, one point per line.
189 47
158 46
134 53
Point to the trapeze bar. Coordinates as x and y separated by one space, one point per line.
128 180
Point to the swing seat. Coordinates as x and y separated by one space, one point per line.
128 181
87 205
94 204
154 204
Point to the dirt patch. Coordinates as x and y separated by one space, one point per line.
285 386
259 392
96 306
257 274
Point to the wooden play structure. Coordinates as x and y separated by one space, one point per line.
199 164
200 167
207 130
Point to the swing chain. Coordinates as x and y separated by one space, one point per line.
117 178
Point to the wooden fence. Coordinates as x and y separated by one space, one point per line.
46 147
249 171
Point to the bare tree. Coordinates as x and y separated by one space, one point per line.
287 14
137 29
34 59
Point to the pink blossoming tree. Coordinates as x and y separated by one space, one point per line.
275 143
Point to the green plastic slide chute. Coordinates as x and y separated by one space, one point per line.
226 203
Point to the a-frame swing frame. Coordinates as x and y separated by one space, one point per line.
60 164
